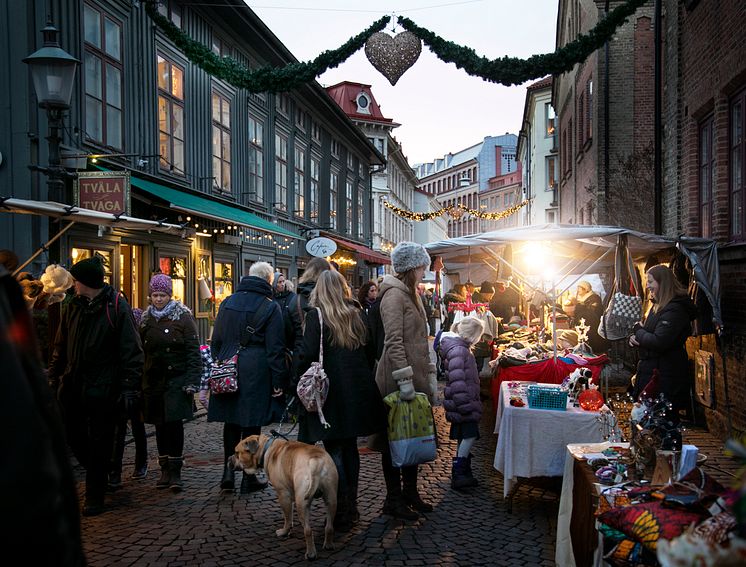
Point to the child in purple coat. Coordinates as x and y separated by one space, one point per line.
462 403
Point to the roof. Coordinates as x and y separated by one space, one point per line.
345 94
540 84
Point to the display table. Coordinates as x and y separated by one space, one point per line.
577 537
549 371
533 442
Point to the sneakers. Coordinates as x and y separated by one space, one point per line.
140 472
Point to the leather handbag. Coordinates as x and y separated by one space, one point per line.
224 373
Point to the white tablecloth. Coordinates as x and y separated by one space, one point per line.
532 442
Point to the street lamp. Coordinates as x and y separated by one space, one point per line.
53 74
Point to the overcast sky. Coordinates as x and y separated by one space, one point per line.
440 108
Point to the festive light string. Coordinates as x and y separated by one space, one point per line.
455 211
503 70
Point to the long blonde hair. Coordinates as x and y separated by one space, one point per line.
341 315
668 286
314 268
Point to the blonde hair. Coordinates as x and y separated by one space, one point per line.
262 270
314 268
470 329
341 315
668 286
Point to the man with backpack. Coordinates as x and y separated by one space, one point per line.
97 361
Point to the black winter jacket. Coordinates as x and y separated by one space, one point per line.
97 352
662 340
297 309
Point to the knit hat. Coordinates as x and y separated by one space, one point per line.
408 256
486 287
162 283
569 336
89 272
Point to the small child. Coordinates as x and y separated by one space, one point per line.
462 403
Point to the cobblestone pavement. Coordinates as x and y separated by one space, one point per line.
202 526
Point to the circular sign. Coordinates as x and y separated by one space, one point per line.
321 247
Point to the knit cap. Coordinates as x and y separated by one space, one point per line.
162 283
89 272
409 256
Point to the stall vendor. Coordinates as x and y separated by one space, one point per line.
589 307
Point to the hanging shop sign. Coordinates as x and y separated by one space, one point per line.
103 191
321 247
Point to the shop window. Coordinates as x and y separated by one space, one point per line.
102 62
170 115
223 282
205 293
221 142
130 274
79 254
175 268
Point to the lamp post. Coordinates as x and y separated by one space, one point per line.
53 74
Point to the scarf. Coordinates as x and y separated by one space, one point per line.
159 314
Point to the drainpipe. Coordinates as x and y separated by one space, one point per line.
657 126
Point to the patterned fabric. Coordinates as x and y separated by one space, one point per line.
313 385
224 376
206 356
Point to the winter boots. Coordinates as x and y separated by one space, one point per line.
165 479
409 493
174 471
461 476
227 482
250 483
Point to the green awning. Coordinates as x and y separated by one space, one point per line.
190 203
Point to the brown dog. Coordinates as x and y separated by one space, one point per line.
298 472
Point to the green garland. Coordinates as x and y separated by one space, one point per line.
264 79
506 70
513 71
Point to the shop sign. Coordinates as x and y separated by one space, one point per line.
105 191
321 247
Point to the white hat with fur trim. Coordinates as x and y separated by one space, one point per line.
408 256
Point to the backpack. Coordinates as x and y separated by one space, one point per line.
313 386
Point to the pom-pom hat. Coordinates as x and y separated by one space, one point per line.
409 256
162 283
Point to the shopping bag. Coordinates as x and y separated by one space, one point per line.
411 430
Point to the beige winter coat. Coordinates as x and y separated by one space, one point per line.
405 348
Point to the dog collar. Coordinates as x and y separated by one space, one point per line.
267 445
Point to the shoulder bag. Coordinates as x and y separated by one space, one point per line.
224 373
623 310
313 386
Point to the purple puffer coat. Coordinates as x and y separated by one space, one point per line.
462 403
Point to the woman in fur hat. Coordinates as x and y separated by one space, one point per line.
404 364
171 375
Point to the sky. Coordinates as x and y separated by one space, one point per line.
441 109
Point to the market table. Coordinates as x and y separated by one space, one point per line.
533 442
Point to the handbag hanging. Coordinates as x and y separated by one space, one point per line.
313 386
623 310
224 373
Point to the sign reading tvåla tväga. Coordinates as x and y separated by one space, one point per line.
105 191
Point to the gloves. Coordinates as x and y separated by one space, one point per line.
203 399
406 390
190 389
130 399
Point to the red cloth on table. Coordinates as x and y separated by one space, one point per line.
549 371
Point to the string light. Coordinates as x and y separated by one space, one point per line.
456 211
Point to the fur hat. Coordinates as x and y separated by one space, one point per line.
569 336
408 256
89 272
585 285
162 283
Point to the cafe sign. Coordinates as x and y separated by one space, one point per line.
321 247
105 191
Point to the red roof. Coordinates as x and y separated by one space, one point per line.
345 95
541 83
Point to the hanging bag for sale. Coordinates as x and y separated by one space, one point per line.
625 306
411 430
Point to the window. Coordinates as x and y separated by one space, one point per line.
736 147
706 161
256 159
348 206
589 110
333 190
299 203
350 162
581 121
300 119
221 142
549 118
283 103
551 173
223 282
175 268
103 78
220 47
170 115
360 211
363 104
281 172
79 254
171 10
314 193
335 148
315 131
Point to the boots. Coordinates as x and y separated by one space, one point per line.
227 482
249 483
468 470
342 519
165 479
461 475
394 504
115 481
174 470
409 493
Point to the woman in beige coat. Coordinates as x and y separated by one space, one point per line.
404 364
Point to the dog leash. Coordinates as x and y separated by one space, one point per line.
278 432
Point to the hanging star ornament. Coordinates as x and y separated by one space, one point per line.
393 55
